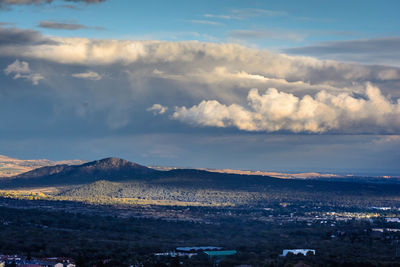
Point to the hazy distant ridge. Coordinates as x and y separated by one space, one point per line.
12 166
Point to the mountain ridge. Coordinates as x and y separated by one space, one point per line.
120 181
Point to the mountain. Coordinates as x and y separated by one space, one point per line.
115 169
123 171
107 166
121 181
111 169
119 170
11 166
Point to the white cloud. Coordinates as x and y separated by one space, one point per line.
18 67
267 34
254 12
220 16
205 22
157 109
221 76
247 13
90 75
389 74
280 111
184 57
388 139
21 70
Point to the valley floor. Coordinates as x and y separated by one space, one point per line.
131 235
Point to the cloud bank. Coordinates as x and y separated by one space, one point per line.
188 59
369 51
279 111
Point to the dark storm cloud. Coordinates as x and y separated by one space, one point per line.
15 36
378 51
23 2
60 25
55 25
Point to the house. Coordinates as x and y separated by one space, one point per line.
303 251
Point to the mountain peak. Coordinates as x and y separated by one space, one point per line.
112 162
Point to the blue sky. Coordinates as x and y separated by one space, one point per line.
280 24
266 85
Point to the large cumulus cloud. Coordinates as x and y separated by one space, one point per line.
280 111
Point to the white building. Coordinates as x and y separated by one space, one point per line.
396 220
64 265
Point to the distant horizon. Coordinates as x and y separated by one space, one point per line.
260 85
339 172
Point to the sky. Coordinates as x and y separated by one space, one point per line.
287 86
